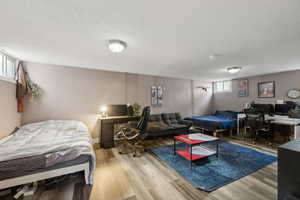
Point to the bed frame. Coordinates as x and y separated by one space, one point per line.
217 131
7 183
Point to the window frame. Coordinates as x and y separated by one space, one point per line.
230 86
217 88
6 74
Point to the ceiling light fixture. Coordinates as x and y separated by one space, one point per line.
214 56
116 46
233 70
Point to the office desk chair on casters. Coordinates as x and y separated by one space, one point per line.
133 134
259 127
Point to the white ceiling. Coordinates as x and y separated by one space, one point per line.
167 37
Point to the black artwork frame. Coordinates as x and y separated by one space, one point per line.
260 89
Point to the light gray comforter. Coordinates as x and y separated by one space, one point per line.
57 140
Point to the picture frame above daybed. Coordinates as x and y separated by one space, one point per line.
243 88
266 89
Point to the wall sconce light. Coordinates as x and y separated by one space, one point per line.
203 88
103 111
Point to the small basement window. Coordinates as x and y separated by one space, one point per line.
222 86
8 67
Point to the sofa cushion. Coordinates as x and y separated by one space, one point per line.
178 126
157 126
166 124
169 118
178 116
155 118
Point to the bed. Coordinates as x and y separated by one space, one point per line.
221 120
44 150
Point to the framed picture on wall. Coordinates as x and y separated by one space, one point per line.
243 88
160 95
266 89
154 96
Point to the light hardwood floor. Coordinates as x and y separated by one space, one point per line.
123 177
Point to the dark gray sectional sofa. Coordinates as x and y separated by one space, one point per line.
167 124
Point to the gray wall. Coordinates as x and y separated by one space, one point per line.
283 82
9 117
177 95
76 93
202 101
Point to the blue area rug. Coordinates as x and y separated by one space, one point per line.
209 174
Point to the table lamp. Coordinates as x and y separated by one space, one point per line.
103 111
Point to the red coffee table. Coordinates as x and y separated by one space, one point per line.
200 151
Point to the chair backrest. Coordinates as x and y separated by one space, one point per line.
142 124
265 108
255 120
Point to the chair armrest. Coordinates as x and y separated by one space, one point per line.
132 124
269 121
129 133
129 124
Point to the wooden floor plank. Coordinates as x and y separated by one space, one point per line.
149 178
124 177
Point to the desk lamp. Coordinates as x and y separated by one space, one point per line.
103 111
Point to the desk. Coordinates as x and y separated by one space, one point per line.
239 117
276 119
107 129
284 120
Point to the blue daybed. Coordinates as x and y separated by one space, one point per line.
219 121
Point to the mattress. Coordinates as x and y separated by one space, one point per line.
34 164
221 120
45 145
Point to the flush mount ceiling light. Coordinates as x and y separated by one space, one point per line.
233 70
116 46
213 56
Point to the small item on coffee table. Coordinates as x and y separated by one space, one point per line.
199 150
201 136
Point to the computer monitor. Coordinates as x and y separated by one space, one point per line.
117 110
265 108
282 109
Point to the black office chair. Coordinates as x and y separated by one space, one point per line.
255 121
132 134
